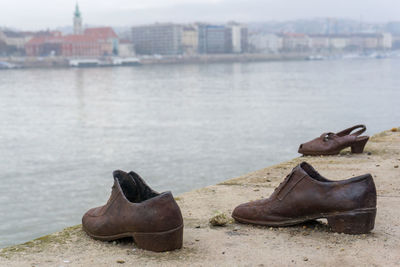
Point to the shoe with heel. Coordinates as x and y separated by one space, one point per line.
332 143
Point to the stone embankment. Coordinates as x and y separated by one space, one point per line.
60 62
244 245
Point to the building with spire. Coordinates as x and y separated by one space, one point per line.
77 21
89 43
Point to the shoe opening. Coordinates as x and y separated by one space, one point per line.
133 187
313 173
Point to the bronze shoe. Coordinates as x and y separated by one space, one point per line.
153 219
348 205
333 143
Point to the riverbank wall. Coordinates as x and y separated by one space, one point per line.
307 244
59 62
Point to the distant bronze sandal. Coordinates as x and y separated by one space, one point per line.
333 143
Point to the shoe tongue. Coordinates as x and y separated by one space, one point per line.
297 172
298 169
288 177
143 190
139 185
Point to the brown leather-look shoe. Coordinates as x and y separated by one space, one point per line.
348 205
333 143
153 219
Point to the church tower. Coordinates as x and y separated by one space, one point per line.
77 21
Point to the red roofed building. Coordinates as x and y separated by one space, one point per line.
81 46
95 42
106 36
43 45
105 33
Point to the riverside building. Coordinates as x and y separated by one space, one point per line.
92 42
176 39
215 39
161 39
190 40
221 39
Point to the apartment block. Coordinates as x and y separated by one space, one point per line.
162 39
190 40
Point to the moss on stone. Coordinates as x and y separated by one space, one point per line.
220 219
38 244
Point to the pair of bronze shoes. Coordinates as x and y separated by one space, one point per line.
155 222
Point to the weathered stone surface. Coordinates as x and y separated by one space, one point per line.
308 244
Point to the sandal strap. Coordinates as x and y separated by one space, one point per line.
326 136
349 130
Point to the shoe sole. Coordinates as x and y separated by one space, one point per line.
322 154
156 241
360 221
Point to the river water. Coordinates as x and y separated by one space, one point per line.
181 127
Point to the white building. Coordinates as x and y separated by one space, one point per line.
236 39
265 43
126 49
338 42
16 39
386 41
370 41
320 42
190 40
359 41
239 37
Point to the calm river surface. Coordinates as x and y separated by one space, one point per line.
180 127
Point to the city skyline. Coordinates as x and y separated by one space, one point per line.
45 14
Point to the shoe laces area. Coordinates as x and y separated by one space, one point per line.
284 180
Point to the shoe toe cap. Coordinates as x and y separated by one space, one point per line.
256 212
308 147
244 211
90 221
301 149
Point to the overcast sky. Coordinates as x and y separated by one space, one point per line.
43 14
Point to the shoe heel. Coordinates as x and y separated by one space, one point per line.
356 222
162 241
358 146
